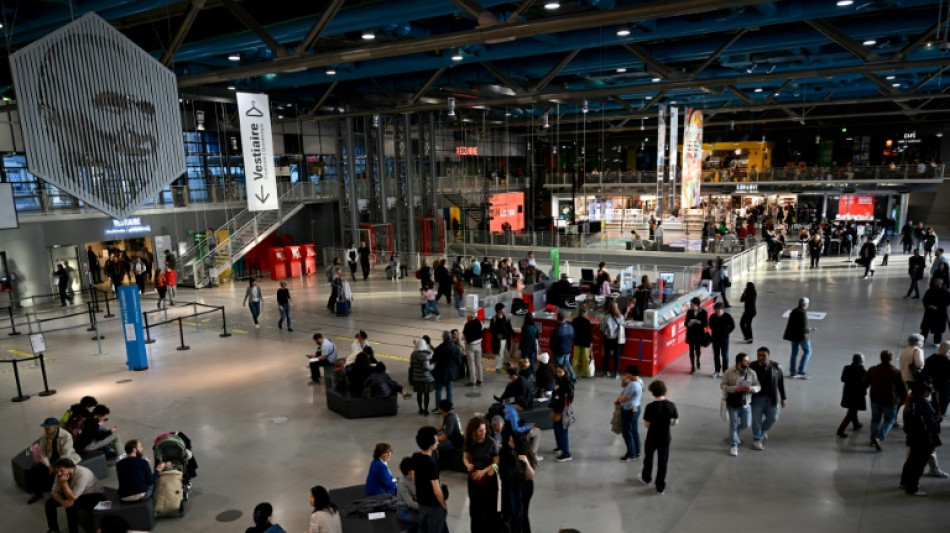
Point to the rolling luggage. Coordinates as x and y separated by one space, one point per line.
343 308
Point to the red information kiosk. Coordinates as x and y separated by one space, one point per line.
276 258
294 256
309 259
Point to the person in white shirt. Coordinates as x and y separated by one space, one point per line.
658 233
357 347
887 252
911 360
252 299
326 356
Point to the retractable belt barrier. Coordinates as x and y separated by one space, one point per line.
20 397
181 332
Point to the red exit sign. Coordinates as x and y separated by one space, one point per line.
466 150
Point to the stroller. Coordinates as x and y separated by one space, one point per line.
173 484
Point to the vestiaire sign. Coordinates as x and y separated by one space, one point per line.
259 173
129 226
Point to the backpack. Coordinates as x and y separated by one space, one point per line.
74 426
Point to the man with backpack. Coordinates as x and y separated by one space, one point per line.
562 344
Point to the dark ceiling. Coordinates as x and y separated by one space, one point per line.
603 61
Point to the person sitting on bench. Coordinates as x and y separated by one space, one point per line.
96 436
382 385
55 443
75 488
136 478
518 387
513 419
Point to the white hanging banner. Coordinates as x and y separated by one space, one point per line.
674 156
661 143
259 172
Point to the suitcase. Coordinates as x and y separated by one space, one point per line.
343 308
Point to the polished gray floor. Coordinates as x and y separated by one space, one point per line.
261 434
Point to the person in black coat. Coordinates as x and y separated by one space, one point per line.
922 427
854 393
866 256
915 269
447 358
721 325
696 322
937 367
748 298
935 301
814 250
444 280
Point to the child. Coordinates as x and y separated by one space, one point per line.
422 301
406 505
161 286
887 252
431 307
658 418
852 397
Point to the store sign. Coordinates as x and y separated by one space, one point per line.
909 138
259 172
466 150
129 226
744 188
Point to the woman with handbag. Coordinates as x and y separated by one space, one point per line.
696 322
480 456
612 325
583 336
562 414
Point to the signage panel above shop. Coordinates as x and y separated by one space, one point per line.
466 150
129 226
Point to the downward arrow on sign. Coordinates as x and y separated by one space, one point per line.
265 196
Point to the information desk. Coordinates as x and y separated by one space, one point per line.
650 348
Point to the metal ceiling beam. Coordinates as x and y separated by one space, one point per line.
930 78
321 24
741 95
653 101
427 85
653 63
538 87
921 39
516 14
323 98
250 23
845 41
503 78
664 87
623 104
497 33
183 29
719 51
886 89
477 13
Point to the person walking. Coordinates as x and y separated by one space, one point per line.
583 337
796 332
364 253
886 390
613 327
352 258
937 368
629 402
767 404
854 394
458 294
443 278
720 281
695 322
252 299
658 417
501 333
748 299
562 343
887 252
283 305
910 361
138 269
738 385
935 301
95 271
922 426
721 325
814 250
866 256
161 286
62 283
420 373
473 333
915 269
561 413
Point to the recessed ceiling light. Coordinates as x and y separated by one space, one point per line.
895 85
775 94
234 57
758 89
891 77
845 3
623 32
672 102
551 5
280 117
654 80
621 70
457 56
231 88
331 72
369 35
649 97
869 42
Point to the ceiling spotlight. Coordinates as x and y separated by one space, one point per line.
280 117
369 35
331 72
758 89
623 32
895 85
200 120
621 70
546 120
844 3
231 88
234 57
655 80
551 5
889 78
585 109
648 97
939 134
451 102
375 121
869 42
457 56
234 144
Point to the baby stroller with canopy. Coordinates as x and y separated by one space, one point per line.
174 482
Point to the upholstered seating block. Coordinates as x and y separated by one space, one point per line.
139 515
95 460
343 497
452 460
539 415
358 407
34 481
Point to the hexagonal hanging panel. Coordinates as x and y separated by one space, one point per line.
100 116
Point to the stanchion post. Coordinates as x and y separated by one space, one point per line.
97 337
91 314
194 308
20 397
95 327
224 324
12 323
46 390
108 311
148 334
181 335
95 299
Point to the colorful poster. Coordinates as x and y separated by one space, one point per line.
692 158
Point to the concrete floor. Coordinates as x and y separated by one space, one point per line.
261 434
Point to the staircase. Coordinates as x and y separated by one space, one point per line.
245 231
469 204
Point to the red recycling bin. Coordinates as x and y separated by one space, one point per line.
294 257
277 263
309 259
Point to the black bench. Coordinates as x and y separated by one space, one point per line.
139 515
35 481
343 497
539 415
358 407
